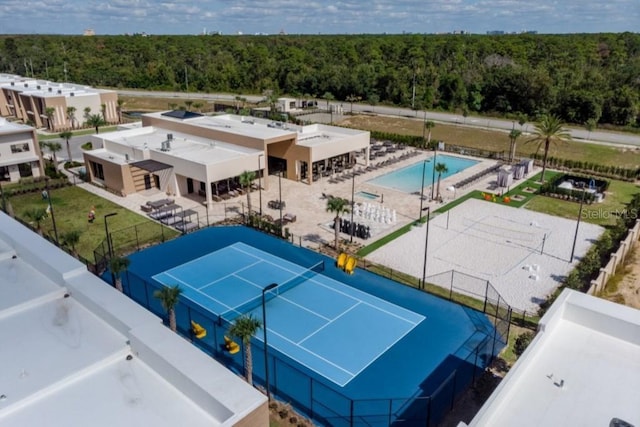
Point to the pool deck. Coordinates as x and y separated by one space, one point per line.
308 205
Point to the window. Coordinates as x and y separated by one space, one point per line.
25 170
19 148
97 170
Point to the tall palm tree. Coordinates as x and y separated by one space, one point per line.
337 205
87 112
169 297
96 120
244 327
71 116
54 147
246 178
549 129
118 265
513 136
49 112
36 215
429 124
103 109
66 135
440 169
188 103
71 239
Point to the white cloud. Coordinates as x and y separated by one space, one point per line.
319 16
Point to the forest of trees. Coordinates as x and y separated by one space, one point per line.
582 78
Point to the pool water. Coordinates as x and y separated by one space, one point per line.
409 179
367 195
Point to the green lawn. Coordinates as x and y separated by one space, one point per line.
90 131
71 206
604 213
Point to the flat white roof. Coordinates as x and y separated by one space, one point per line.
37 87
253 127
7 127
77 352
583 368
183 146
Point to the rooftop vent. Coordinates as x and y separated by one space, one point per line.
26 85
13 83
59 92
38 87
71 94
169 136
50 89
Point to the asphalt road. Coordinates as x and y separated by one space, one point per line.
480 122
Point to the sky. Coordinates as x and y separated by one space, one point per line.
316 16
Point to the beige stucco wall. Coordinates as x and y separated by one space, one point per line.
257 418
117 177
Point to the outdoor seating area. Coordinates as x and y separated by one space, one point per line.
473 178
276 204
171 214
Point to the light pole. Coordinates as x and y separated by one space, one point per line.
264 331
106 231
433 174
280 197
575 236
426 246
424 166
353 187
260 183
53 218
451 188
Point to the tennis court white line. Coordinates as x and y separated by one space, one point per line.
331 288
197 290
230 274
386 349
272 263
304 308
311 353
326 324
353 297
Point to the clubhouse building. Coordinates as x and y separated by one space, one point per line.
188 154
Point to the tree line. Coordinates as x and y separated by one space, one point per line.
581 78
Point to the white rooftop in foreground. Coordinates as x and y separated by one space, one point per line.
76 352
582 369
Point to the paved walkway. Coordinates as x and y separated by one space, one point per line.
312 227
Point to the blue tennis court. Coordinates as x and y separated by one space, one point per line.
329 316
344 350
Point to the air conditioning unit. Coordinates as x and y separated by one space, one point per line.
71 94
126 157
169 136
26 85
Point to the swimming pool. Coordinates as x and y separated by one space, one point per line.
409 179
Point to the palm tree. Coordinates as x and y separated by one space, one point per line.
103 109
96 120
339 206
54 147
71 239
513 136
351 99
36 215
169 297
429 124
198 106
549 129
49 112
118 265
440 169
246 178
188 103
119 106
66 135
71 116
87 112
244 327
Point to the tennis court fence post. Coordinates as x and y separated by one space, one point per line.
486 293
451 287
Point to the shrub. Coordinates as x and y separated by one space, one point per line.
522 342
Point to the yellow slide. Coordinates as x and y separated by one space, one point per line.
350 265
342 260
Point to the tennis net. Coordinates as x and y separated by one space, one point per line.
283 287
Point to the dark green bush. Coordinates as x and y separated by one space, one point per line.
522 342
